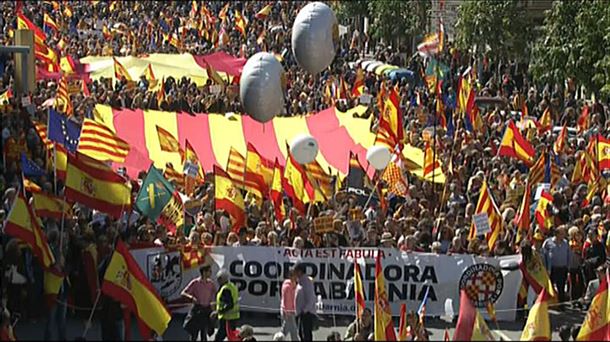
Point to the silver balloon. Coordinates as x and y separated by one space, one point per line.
261 87
315 33
304 148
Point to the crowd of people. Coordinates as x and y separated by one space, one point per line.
431 219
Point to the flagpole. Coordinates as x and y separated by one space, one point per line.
374 188
88 324
61 228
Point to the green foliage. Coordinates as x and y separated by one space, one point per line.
499 28
398 18
347 10
575 43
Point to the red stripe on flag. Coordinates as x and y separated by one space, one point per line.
197 130
129 125
263 137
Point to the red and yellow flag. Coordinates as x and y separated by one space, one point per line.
222 15
384 326
403 325
62 101
174 176
96 185
120 72
258 173
522 220
240 23
100 142
538 325
546 120
390 120
168 143
48 21
61 160
395 179
229 198
602 151
296 185
430 163
41 130
358 291
125 282
358 86
543 217
236 165
192 256
514 145
596 326
50 206
22 223
583 120
276 193
560 143
321 181
536 276
487 205
470 325
52 281
264 12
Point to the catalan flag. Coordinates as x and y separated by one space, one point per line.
264 12
430 162
358 291
63 102
546 120
229 198
542 214
161 92
47 205
49 23
120 73
584 119
125 282
545 170
358 86
276 194
487 205
96 185
538 325
585 169
560 143
596 326
100 142
236 165
174 176
470 325
514 145
383 326
148 73
320 180
168 143
22 223
258 173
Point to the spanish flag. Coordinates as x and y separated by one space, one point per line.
384 326
168 143
546 120
52 281
258 174
583 120
213 74
222 15
276 193
125 282
536 276
22 223
543 217
229 198
602 150
404 330
596 326
264 13
96 185
120 72
390 120
61 161
161 93
321 181
560 143
430 163
296 185
236 164
514 145
538 325
100 142
522 219
240 23
470 325
358 87
487 205
358 291
50 206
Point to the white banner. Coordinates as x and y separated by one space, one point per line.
259 272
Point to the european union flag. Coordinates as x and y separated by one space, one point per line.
29 168
63 131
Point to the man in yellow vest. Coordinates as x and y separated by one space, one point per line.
227 305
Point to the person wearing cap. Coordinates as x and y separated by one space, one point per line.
305 303
200 291
386 240
246 333
227 305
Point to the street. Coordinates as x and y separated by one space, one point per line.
266 325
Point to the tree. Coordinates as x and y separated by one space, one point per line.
575 43
499 28
347 10
398 18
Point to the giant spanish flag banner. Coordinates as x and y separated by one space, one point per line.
125 282
212 136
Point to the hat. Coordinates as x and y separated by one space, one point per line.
246 331
387 237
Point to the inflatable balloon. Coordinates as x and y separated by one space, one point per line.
378 156
304 149
261 87
315 33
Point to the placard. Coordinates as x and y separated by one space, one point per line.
323 224
481 223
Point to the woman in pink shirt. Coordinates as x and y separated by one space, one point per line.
289 323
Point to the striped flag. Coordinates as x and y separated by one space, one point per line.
522 220
404 329
430 163
236 164
543 217
50 206
41 130
100 142
584 119
487 205
173 175
560 143
470 325
240 23
538 325
228 198
321 181
63 102
358 86
514 145
275 192
168 143
258 173
264 12
358 291
596 325
120 72
49 24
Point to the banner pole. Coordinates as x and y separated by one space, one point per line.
88 324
